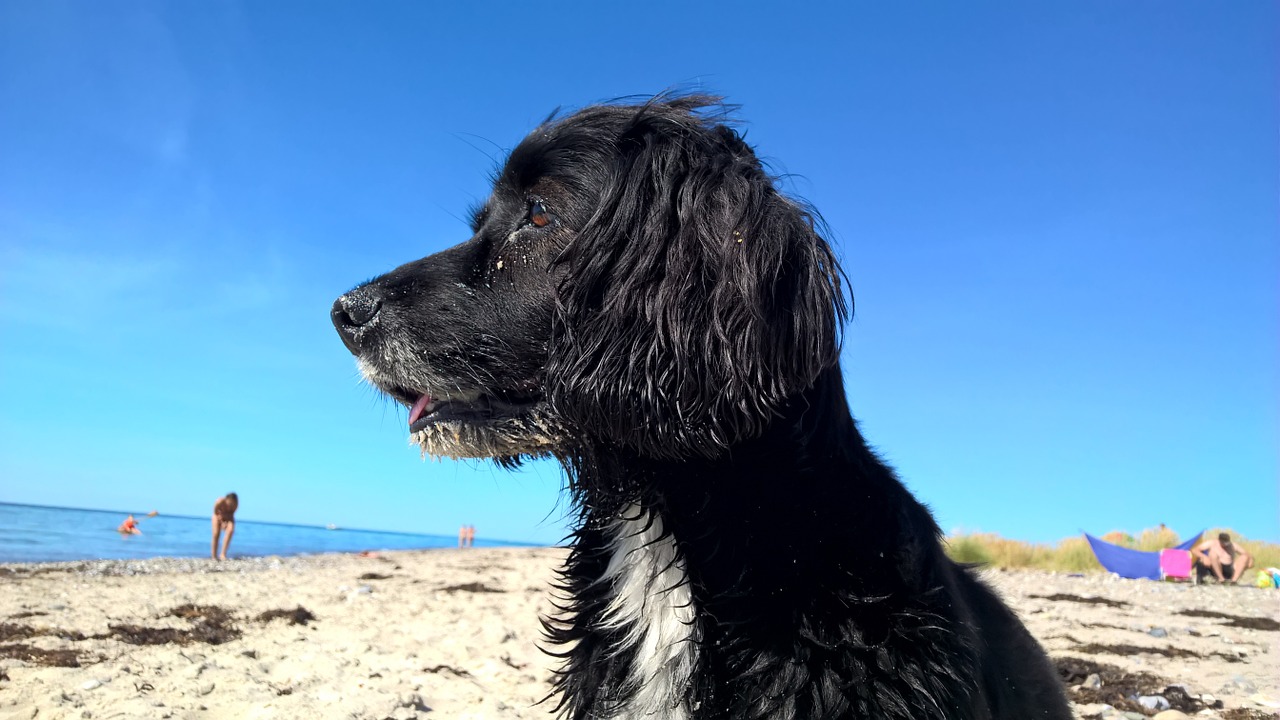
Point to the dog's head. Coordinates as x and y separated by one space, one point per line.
635 279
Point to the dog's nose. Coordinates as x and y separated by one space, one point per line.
353 312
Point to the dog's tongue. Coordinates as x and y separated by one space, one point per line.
416 411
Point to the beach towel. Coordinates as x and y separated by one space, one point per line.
1175 564
1131 563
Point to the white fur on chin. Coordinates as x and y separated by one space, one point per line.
526 435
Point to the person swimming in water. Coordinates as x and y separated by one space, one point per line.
224 518
129 527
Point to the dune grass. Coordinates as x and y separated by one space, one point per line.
1073 554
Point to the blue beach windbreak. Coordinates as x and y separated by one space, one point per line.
1131 563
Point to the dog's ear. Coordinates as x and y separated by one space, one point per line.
695 301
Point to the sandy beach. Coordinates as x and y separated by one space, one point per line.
455 634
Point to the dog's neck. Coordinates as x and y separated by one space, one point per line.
812 446
806 493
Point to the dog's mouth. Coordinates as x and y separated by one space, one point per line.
471 422
472 408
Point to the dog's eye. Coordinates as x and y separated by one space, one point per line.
538 215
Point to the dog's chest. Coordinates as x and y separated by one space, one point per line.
651 604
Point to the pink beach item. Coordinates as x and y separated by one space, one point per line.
1175 564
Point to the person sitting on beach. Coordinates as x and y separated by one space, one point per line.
1221 558
129 527
224 518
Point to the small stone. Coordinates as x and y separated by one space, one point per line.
1242 684
91 685
1265 701
1158 632
1170 715
1093 682
1153 702
412 700
206 688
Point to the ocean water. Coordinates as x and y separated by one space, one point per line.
32 533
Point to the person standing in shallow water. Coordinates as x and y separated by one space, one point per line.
466 536
224 518
129 527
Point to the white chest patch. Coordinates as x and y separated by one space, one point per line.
653 605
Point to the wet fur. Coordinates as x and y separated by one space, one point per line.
672 338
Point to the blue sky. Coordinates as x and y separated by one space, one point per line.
1059 221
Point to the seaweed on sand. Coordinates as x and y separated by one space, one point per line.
296 616
1168 651
27 614
208 613
1086 600
1248 623
15 631
210 624
475 587
40 656
1119 686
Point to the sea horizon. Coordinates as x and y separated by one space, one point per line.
51 533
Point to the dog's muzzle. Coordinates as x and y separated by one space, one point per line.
355 313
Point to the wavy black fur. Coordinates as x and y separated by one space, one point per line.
677 323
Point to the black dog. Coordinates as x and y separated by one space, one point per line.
639 301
